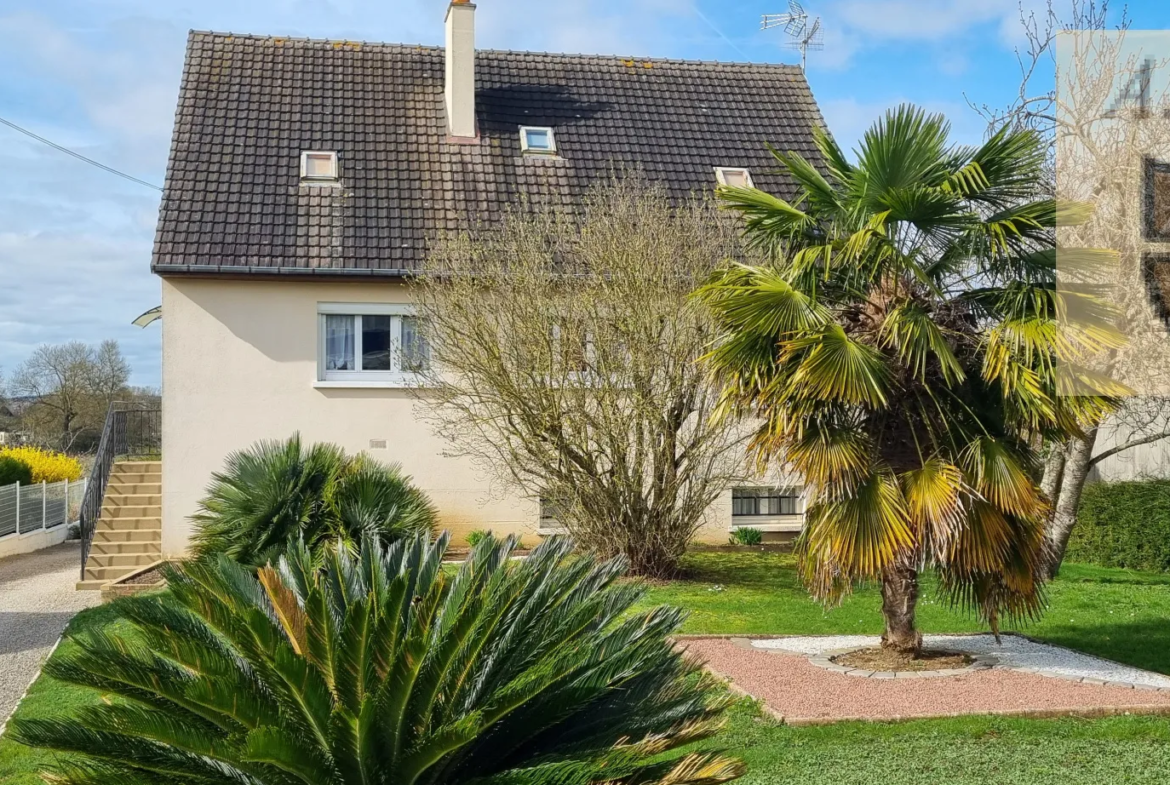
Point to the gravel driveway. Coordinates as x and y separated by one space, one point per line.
37 600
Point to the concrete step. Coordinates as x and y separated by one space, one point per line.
131 499
133 477
97 560
153 546
106 574
144 467
131 511
89 585
124 522
109 535
134 488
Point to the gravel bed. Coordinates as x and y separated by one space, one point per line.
37 600
1015 653
799 692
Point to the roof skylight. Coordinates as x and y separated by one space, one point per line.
537 139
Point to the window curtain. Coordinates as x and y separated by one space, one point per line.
340 348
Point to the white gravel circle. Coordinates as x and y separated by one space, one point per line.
1015 653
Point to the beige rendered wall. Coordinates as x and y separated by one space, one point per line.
239 365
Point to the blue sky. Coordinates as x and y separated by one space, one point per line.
101 77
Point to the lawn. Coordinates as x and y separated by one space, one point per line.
1117 614
1114 613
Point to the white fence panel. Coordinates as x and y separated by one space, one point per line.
29 508
9 498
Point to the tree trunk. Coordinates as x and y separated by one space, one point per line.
1068 499
899 601
1054 475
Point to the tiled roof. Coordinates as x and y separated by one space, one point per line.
249 106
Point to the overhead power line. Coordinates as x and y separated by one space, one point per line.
78 156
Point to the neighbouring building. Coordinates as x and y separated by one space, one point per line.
306 179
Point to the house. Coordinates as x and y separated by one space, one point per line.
306 179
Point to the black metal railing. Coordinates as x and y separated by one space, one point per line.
131 431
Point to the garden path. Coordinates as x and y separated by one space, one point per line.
37 600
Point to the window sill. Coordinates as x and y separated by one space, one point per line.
769 523
550 531
381 384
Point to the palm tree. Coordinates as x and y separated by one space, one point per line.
383 668
905 353
277 493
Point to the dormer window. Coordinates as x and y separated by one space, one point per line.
319 166
537 140
733 176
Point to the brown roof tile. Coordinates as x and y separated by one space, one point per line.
248 107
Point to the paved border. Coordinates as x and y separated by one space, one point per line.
820 659
1107 709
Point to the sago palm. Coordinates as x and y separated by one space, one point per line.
277 493
905 352
385 668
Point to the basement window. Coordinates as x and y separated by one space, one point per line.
537 140
733 177
767 509
550 518
319 166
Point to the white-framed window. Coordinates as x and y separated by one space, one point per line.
370 344
756 507
733 176
537 139
319 166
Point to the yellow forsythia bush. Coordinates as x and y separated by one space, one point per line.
46 465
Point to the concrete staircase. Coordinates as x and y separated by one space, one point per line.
129 532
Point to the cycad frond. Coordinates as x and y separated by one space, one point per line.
381 668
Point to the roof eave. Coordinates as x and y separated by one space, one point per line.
236 271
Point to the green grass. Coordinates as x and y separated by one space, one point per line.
20 765
964 751
1118 614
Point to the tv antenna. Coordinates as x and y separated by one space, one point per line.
795 24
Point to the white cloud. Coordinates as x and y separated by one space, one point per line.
852 26
102 77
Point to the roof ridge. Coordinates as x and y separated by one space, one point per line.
524 52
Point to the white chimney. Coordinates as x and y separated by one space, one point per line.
460 85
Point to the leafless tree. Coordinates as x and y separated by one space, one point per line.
1099 162
565 350
71 386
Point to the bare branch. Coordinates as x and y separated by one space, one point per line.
565 353
1149 439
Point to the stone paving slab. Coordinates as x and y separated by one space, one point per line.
37 600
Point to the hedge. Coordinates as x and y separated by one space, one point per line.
13 470
1123 524
46 465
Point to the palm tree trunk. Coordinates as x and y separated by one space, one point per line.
899 601
1064 516
1053 476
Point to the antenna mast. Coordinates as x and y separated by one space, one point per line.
795 24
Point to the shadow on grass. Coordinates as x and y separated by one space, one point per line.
1142 644
765 570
